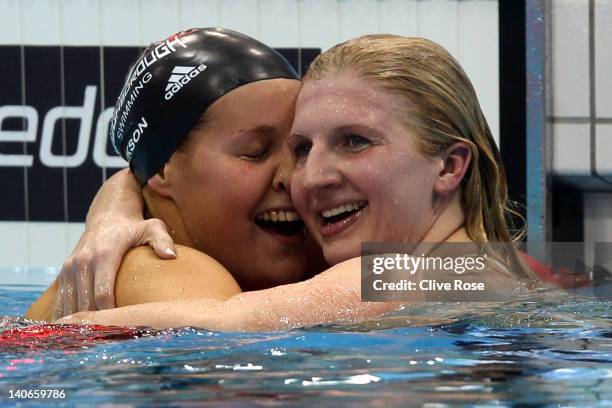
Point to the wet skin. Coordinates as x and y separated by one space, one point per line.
234 169
351 149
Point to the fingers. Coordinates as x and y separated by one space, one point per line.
58 303
69 299
84 290
75 284
65 301
104 282
78 279
152 232
156 235
87 279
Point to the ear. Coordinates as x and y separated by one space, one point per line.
456 160
160 183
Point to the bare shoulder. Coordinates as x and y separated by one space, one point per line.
144 278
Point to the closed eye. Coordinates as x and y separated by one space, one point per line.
254 155
251 157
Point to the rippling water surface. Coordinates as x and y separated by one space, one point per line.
533 353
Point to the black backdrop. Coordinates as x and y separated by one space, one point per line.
46 77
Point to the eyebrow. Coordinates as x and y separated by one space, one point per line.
353 126
371 132
262 129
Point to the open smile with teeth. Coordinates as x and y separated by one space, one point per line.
278 215
280 222
342 211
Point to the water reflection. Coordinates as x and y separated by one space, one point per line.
527 353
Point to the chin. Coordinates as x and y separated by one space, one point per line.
340 253
267 282
283 274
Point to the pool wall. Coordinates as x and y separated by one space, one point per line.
74 54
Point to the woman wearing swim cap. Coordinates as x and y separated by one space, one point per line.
209 109
390 144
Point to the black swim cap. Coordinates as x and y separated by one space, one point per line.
174 81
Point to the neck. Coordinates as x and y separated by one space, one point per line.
165 209
449 224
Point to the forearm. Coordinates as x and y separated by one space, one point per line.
240 313
119 195
160 315
289 306
331 297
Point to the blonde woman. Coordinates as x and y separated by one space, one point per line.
390 144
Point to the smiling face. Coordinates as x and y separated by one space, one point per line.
360 176
229 184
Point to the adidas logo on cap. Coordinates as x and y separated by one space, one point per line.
180 77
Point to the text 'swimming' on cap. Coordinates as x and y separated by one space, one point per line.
174 81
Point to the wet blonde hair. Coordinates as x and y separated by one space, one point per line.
443 108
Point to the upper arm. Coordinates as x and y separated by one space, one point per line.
144 278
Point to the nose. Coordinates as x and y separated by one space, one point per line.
320 171
284 170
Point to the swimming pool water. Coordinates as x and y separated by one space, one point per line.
534 353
